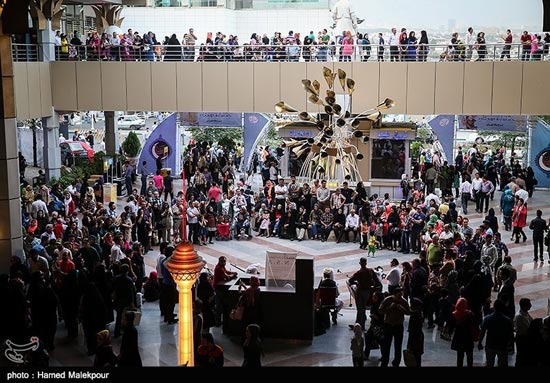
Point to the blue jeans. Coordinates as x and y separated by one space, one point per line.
405 244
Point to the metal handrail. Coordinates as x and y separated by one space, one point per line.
288 53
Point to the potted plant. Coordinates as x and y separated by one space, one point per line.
131 147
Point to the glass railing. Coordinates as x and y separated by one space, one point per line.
286 53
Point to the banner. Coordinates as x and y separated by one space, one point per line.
540 154
212 120
493 123
280 268
161 143
443 126
254 125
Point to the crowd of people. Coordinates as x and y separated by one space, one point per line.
320 46
84 261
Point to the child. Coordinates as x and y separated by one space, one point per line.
364 234
372 246
357 345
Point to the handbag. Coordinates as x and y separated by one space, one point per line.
237 313
409 358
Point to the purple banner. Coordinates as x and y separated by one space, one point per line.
254 124
161 143
540 154
493 123
212 120
443 127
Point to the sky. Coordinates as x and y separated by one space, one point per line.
435 13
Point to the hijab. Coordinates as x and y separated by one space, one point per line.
461 309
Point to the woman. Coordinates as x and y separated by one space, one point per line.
415 343
129 350
250 300
347 47
252 347
465 330
104 353
411 47
423 46
173 49
205 292
481 46
93 315
519 220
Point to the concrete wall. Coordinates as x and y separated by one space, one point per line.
33 94
417 88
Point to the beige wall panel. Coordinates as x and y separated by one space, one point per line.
292 91
449 84
393 84
164 84
214 87
240 82
478 88
367 83
314 71
21 88
113 86
536 88
507 80
33 82
64 85
88 77
45 89
138 86
267 86
189 87
420 88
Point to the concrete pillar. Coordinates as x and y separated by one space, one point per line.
111 134
11 241
51 153
47 41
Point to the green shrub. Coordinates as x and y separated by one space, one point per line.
131 145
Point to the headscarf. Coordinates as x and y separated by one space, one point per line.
103 338
461 309
153 276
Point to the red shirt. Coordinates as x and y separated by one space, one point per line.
220 275
214 193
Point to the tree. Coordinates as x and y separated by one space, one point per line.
227 137
131 145
505 140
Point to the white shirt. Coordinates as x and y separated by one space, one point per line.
116 254
393 40
476 184
432 196
281 189
352 221
465 187
470 38
394 276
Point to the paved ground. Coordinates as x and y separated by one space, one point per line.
157 340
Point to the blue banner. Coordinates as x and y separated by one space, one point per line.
212 120
443 127
540 154
254 124
161 143
493 123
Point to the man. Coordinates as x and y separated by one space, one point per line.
394 276
435 251
500 332
128 172
326 221
470 41
281 192
487 188
349 194
393 308
221 276
522 322
328 281
168 183
144 174
366 283
352 224
476 189
393 42
189 40
323 196
431 176
539 226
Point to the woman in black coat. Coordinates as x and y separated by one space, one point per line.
252 347
93 315
129 350
173 50
465 331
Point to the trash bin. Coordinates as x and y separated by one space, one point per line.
120 186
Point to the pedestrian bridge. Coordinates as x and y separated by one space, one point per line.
418 88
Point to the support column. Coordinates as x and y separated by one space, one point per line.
111 134
51 153
11 242
47 43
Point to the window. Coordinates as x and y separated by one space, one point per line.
388 159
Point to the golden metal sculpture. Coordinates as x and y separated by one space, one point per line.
107 15
331 153
47 10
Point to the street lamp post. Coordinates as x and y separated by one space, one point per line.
185 265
